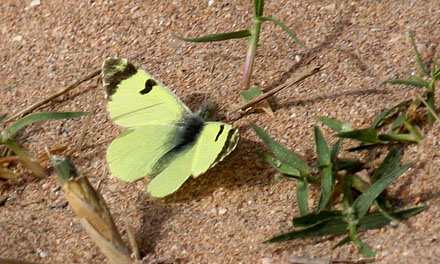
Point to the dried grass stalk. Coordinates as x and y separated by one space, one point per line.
92 211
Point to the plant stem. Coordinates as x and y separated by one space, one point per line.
252 51
27 162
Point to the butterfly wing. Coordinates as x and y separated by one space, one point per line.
132 155
148 109
215 142
136 98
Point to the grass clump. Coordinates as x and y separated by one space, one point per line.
8 134
337 179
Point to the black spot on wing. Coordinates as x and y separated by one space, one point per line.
222 127
148 86
114 71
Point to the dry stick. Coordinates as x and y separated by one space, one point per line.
53 96
434 114
79 142
132 240
303 74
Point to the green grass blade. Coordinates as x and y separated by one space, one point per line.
398 122
285 28
250 94
333 226
416 134
258 7
366 136
364 201
3 117
43 116
218 37
378 220
315 218
389 164
335 152
380 118
418 58
408 82
399 137
282 167
344 241
322 148
302 198
326 188
348 198
334 124
364 248
431 107
281 153
348 164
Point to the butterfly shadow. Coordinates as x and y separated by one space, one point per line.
241 168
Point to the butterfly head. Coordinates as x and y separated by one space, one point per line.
207 110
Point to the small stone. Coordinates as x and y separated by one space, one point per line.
17 38
222 211
266 261
297 58
421 47
34 3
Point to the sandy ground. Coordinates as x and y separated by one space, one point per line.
224 215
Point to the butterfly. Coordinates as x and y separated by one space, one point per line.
163 138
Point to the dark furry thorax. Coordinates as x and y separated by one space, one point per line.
189 130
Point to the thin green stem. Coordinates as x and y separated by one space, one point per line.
27 162
252 51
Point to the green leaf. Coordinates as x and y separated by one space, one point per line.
315 218
335 152
64 168
285 28
322 149
379 119
301 198
364 248
414 132
250 94
2 117
408 82
334 124
366 136
218 37
281 153
326 187
282 167
364 201
43 116
418 58
431 106
399 137
378 220
348 198
258 7
389 164
333 226
348 164
344 241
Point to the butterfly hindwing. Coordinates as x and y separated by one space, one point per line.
215 141
136 98
132 155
